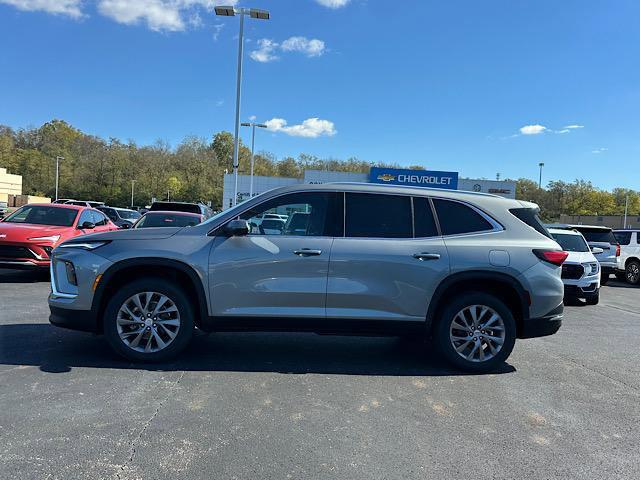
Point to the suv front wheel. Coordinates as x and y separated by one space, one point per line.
148 320
476 332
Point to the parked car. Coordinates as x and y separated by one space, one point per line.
168 219
29 234
4 208
85 203
581 269
602 238
473 271
181 207
122 217
63 200
629 259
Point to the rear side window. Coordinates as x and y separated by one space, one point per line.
624 238
379 216
424 223
531 218
598 235
456 218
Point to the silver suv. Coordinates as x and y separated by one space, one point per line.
472 271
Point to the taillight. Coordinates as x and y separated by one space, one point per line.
555 257
617 250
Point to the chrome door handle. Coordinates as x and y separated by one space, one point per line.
427 256
307 252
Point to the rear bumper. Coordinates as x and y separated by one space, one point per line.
543 326
83 320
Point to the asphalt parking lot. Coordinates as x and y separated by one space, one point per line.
302 406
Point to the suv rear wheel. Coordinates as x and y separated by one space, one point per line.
632 272
148 321
476 332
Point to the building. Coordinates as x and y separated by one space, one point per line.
393 176
611 221
9 185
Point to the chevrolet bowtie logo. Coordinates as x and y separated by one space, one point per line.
387 177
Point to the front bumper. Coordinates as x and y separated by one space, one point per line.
581 291
543 326
83 320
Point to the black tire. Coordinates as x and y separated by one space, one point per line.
593 299
164 287
632 272
444 345
604 278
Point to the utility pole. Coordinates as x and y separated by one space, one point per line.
626 209
58 158
253 126
133 182
541 164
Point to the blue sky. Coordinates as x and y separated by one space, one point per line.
475 86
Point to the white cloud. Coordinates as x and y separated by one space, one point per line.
564 130
572 127
311 48
265 51
252 118
599 150
217 29
70 8
333 3
159 15
533 129
310 128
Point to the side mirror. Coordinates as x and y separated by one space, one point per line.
596 250
87 226
237 228
125 226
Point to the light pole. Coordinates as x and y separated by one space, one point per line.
58 158
260 15
133 182
626 209
541 164
253 126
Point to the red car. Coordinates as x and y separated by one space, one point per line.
28 235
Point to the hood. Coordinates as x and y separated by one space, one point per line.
580 257
159 233
19 232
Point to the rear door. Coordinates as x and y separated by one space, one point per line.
385 267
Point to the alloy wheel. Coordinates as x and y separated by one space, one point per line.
633 273
477 333
148 322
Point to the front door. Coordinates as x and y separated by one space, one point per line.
280 268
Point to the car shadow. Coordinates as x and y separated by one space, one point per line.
23 276
56 350
620 284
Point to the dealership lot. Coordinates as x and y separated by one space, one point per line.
305 406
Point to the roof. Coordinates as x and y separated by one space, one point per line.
56 205
571 226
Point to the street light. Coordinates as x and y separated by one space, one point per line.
227 11
58 158
541 164
253 126
133 182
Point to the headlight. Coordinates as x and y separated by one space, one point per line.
83 245
591 268
52 239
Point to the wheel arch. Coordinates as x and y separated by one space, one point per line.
125 271
502 285
631 259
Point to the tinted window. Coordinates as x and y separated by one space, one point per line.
424 222
571 243
456 218
128 214
111 213
624 238
166 220
85 216
44 215
99 219
531 218
175 207
307 214
383 216
597 235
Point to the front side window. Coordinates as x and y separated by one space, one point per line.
378 216
85 216
457 218
98 218
298 214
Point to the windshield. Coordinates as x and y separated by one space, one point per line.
166 220
129 214
571 243
44 215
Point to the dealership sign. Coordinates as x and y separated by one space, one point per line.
414 178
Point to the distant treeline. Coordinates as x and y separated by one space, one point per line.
99 169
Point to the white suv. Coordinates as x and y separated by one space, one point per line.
629 259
